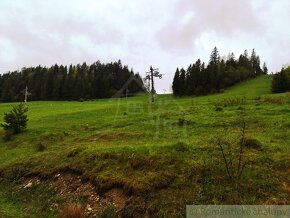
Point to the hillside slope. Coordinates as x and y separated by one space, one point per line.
157 157
255 87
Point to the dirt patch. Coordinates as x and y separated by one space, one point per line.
117 197
71 185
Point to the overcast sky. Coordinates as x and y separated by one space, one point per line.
163 33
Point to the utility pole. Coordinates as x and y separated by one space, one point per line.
151 74
26 94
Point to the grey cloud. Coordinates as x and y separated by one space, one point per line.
46 40
224 17
165 33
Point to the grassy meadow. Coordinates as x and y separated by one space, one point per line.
162 156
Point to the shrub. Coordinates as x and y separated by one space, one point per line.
16 119
233 154
72 210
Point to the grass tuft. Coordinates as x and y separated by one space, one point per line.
40 147
253 143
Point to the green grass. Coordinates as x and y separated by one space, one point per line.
139 146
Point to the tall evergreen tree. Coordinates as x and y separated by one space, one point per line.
182 82
214 57
281 81
265 69
176 82
213 71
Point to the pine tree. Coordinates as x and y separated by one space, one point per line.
281 82
265 69
213 71
190 80
214 57
15 121
255 64
246 54
182 82
175 84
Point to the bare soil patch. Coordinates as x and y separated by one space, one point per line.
69 184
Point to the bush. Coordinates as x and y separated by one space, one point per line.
16 119
233 153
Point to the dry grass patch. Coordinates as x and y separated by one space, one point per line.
72 210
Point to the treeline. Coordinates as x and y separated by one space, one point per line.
75 82
281 81
218 74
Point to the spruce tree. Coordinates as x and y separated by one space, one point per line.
182 82
15 121
281 82
175 84
214 57
265 69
